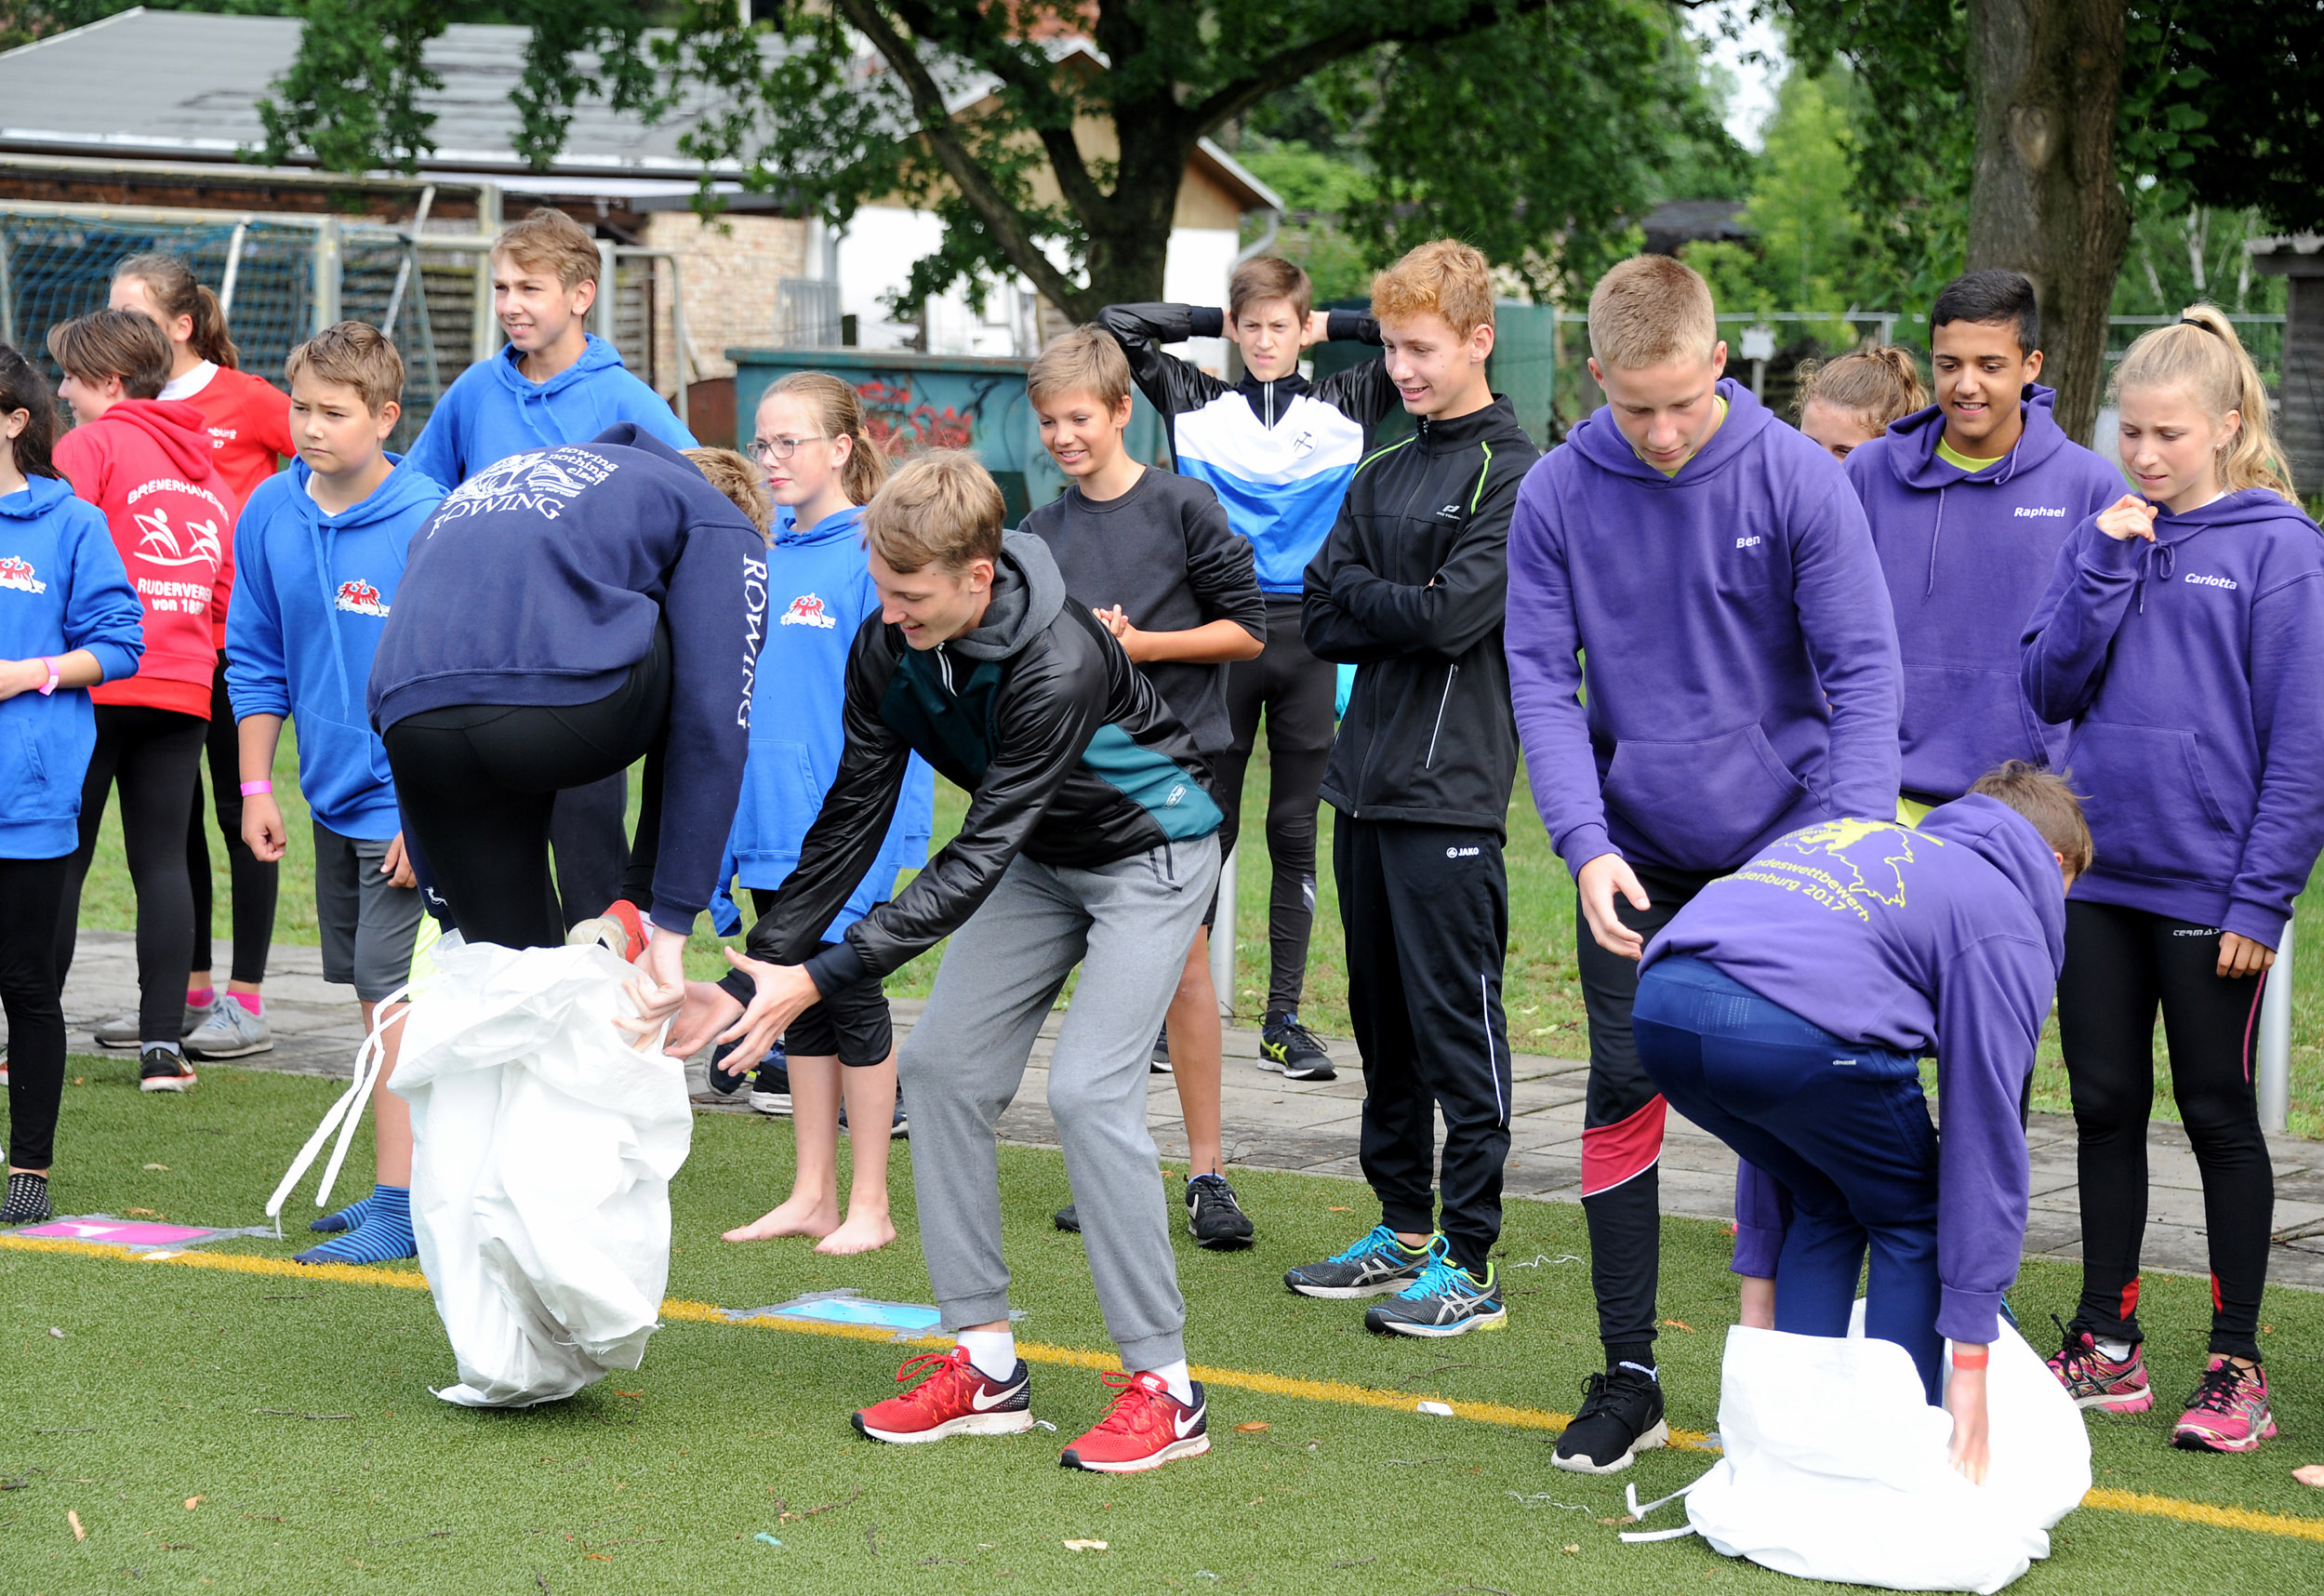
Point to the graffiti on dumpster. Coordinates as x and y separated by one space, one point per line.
898 427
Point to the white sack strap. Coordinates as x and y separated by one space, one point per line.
1629 1499
343 1114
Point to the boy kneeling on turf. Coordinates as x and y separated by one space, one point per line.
1785 1010
321 548
1090 840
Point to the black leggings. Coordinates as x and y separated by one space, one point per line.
30 891
2121 965
1295 690
156 754
255 882
478 784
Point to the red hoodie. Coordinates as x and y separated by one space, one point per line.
248 421
147 464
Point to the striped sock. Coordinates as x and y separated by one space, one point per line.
384 1236
346 1218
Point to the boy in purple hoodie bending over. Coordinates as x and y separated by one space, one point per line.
1969 501
1742 683
1785 1011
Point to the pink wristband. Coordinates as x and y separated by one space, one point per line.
252 788
56 674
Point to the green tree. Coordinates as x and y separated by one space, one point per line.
1812 241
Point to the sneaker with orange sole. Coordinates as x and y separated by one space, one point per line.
954 1397
2092 1380
2228 1410
1145 1429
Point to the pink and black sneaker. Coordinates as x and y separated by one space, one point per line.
2228 1410
2092 1380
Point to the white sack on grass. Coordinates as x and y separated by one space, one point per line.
1836 1466
543 1146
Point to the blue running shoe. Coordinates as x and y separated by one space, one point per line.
1445 1300
1373 1267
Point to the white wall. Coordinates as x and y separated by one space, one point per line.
1201 260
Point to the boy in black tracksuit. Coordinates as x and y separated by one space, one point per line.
1411 588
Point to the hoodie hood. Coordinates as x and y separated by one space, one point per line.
596 355
38 496
1913 455
1603 444
830 529
1027 594
176 428
2006 841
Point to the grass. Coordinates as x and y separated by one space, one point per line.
662 1480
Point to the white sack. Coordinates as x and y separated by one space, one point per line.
543 1146
1835 1465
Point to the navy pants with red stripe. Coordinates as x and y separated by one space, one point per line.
1622 1122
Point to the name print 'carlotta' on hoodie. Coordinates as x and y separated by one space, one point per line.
1966 556
2187 667
146 463
493 410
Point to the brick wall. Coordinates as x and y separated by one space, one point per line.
731 266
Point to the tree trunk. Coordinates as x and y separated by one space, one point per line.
1129 238
2045 199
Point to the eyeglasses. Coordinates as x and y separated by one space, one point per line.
764 449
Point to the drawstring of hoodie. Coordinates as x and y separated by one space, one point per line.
330 610
1934 536
2156 554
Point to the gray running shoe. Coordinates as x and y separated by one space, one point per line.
122 1031
231 1031
1375 1266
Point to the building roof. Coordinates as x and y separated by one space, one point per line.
1675 222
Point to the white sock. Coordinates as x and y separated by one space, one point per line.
1179 1378
2118 1350
993 1351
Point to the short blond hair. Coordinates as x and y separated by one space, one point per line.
354 354
1085 360
734 476
1445 276
942 509
1650 309
550 240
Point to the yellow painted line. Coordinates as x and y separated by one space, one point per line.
1257 1380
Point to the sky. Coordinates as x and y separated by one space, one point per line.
1755 82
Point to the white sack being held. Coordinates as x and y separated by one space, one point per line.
543 1147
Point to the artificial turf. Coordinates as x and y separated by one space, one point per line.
172 1384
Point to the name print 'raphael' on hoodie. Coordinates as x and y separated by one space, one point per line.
493 410
1966 556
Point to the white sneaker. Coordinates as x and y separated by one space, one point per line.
231 1031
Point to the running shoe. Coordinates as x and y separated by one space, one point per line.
1373 1267
1445 1300
231 1031
2228 1410
1158 1063
770 1088
954 1397
2092 1380
899 1125
1293 1051
159 1070
1145 1429
28 1198
1213 1215
1069 1219
123 1030
1621 1417
620 931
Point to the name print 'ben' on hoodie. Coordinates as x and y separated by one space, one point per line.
493 410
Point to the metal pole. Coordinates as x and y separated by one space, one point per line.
1223 937
234 266
2273 1070
7 294
406 266
677 335
484 332
327 274
600 312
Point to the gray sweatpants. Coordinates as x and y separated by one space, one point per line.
1128 925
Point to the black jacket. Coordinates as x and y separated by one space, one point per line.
1362 394
1067 754
1411 588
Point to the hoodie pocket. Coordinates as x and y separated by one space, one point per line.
34 794
1703 802
331 753
781 799
2151 805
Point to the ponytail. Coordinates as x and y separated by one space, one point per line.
1879 383
22 389
840 414
2203 355
176 293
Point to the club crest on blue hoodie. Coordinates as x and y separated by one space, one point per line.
1966 556
493 410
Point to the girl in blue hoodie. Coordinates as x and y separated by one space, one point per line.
68 621
821 468
2178 637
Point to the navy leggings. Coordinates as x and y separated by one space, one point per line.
1845 1130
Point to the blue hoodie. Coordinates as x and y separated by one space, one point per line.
62 587
493 410
2187 667
1741 677
819 592
1943 938
311 595
1966 556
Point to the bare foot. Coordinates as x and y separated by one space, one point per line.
793 1218
2311 1475
864 1232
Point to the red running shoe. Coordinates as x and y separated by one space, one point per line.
954 1397
2228 1410
620 930
1145 1429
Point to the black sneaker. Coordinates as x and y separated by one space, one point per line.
770 1085
899 1126
1158 1063
1293 1051
723 1087
1445 1300
1621 1417
28 1198
1069 1218
1375 1266
1213 1216
160 1070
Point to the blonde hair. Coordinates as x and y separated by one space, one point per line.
1445 276
1650 309
1085 360
356 354
1879 384
1269 277
942 509
113 343
553 241
2203 355
838 414
734 476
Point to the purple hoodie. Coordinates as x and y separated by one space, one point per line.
1741 679
2188 668
1943 938
1966 556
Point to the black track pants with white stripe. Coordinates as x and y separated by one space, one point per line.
1425 910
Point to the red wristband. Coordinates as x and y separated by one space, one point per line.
252 788
1972 1357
